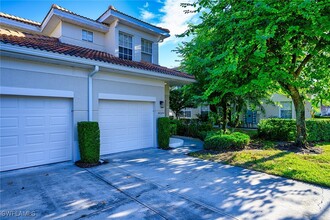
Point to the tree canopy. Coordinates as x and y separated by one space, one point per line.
180 99
255 46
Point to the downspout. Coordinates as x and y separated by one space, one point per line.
90 92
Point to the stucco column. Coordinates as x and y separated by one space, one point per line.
167 100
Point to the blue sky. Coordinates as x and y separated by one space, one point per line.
165 13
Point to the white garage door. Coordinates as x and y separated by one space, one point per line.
34 131
125 125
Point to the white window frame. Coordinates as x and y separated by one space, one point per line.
146 48
183 113
87 35
125 45
281 108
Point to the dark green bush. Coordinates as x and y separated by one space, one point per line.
164 133
89 141
318 130
173 128
277 129
226 142
285 129
192 128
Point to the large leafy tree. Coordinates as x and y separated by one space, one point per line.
180 99
254 46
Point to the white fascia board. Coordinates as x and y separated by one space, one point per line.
35 54
135 22
19 25
108 96
94 25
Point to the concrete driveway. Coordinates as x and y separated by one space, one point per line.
157 184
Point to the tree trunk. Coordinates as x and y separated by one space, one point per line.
238 110
298 101
224 115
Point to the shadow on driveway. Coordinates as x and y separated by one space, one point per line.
157 184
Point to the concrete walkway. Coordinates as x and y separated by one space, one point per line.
157 184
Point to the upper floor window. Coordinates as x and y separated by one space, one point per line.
125 46
146 50
87 36
286 109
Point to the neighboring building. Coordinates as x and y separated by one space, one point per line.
325 110
192 113
283 107
70 68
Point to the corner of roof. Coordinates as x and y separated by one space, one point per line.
112 8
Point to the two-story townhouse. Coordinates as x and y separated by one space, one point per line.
71 68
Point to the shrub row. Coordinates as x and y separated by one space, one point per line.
285 129
191 128
164 132
224 142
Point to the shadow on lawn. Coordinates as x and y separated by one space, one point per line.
232 190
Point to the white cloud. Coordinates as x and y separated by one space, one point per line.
175 19
147 15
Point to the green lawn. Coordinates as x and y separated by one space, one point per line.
308 168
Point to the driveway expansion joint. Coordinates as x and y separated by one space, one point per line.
125 193
169 189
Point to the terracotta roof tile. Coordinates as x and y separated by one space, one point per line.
52 44
12 17
54 6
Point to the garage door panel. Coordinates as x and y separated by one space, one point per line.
8 122
34 157
125 125
35 139
34 131
9 141
9 102
58 153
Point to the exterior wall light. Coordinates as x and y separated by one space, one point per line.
161 104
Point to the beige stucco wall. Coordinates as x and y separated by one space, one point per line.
57 32
137 36
35 75
72 34
108 42
273 110
167 100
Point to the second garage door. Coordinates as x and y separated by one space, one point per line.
125 125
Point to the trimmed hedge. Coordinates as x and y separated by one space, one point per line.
164 132
89 141
226 142
192 128
285 129
173 128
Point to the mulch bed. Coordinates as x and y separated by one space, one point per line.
288 146
81 164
